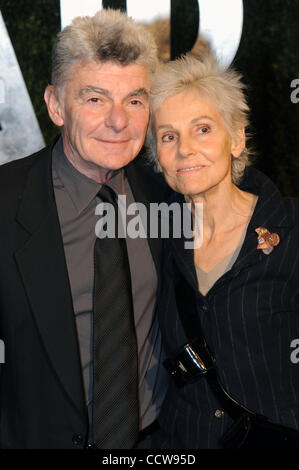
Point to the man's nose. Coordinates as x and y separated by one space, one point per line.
117 118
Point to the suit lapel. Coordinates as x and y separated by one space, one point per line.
269 213
184 260
42 265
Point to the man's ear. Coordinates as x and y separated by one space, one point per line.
238 143
54 106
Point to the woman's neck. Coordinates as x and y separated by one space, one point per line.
224 208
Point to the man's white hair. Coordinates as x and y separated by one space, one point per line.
109 35
223 87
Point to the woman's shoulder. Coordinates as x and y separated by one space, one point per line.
271 199
292 208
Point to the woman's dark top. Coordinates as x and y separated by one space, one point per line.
250 317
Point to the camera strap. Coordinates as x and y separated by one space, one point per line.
199 352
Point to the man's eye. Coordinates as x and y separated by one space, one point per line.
136 102
94 100
168 138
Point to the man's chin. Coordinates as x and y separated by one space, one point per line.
118 165
115 161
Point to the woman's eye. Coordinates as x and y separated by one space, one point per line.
203 130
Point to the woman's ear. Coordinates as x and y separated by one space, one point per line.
238 143
55 109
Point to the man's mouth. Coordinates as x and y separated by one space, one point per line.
113 141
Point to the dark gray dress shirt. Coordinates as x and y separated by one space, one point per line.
76 201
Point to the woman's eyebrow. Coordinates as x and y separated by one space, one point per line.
165 126
193 121
199 118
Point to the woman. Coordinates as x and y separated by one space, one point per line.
244 273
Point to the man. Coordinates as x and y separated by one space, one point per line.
99 97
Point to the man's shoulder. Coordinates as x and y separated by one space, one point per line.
13 175
22 165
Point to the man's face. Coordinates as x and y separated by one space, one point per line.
104 112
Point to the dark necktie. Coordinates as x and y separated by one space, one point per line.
115 398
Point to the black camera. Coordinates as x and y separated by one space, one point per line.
192 362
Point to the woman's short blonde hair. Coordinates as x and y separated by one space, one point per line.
223 87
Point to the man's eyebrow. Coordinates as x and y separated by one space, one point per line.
103 91
139 92
93 89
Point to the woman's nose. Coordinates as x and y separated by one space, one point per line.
186 146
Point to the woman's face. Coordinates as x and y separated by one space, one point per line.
193 145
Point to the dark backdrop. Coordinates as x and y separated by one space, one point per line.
268 58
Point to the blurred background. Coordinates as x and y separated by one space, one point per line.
267 57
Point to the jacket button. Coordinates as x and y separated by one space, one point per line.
77 439
219 413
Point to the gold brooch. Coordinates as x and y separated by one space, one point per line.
266 240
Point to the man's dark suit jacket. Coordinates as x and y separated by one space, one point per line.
249 317
41 388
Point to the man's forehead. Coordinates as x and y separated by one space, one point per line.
108 70
109 78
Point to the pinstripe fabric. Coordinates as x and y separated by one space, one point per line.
249 317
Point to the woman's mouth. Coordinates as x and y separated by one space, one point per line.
190 169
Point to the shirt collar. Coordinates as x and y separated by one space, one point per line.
81 189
